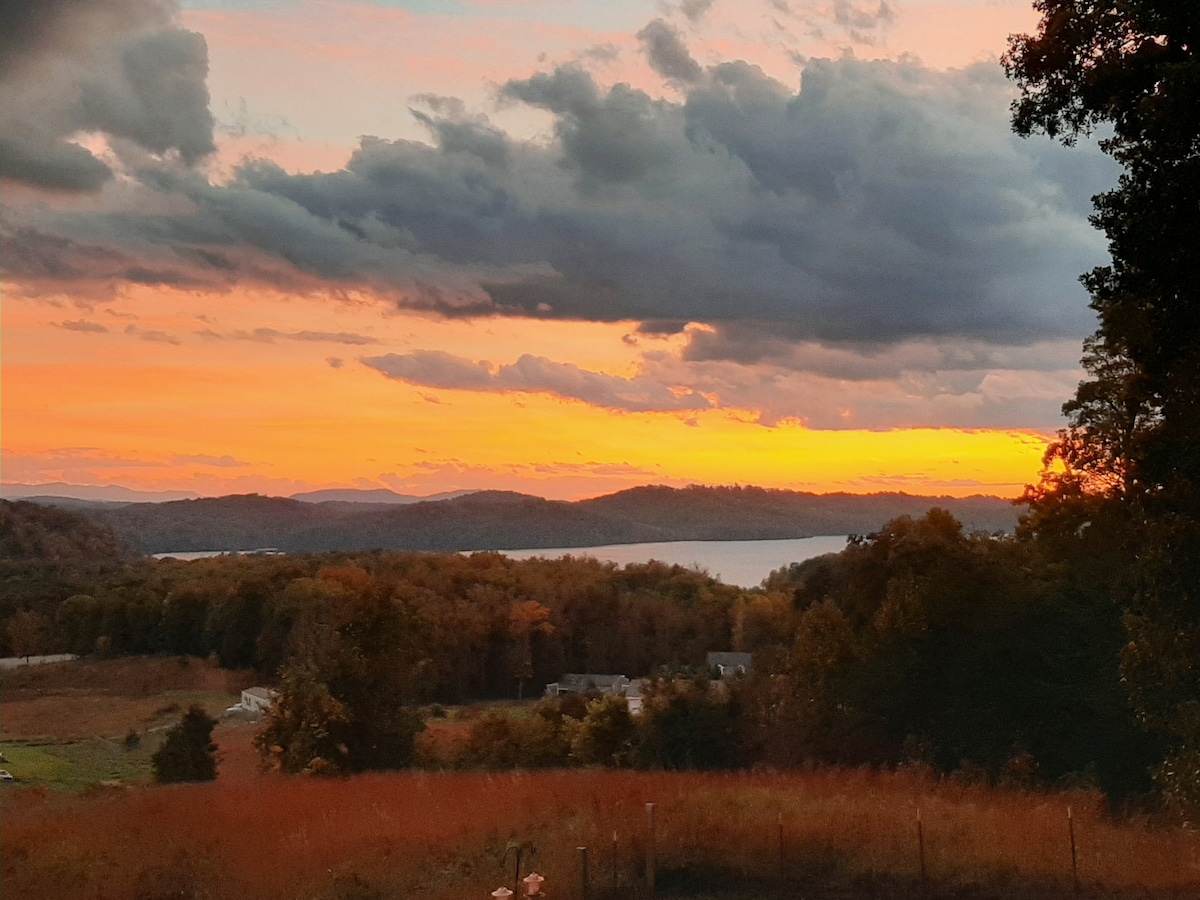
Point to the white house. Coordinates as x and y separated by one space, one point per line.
255 702
258 699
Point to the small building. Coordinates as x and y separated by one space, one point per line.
633 697
613 685
258 699
726 665
605 685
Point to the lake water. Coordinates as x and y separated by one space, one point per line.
743 563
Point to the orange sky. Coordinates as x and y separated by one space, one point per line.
163 407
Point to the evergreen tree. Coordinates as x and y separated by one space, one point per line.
188 754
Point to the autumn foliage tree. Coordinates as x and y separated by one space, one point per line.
1132 68
348 688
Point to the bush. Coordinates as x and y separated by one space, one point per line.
688 724
607 734
188 754
499 741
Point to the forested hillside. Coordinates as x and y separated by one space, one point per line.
47 553
501 520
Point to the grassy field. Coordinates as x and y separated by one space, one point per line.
64 726
255 834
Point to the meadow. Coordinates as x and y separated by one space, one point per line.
846 833
71 726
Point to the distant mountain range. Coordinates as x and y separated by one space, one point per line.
502 520
76 496
59 493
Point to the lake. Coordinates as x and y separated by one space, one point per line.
742 563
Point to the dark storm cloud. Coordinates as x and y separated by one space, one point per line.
114 67
53 164
534 374
879 203
619 136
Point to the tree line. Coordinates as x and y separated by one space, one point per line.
921 643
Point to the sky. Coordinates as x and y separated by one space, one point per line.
553 246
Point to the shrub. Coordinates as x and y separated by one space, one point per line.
607 734
188 754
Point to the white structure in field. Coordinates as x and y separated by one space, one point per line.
258 699
255 702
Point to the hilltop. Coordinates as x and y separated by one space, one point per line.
505 520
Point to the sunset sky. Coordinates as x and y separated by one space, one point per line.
541 245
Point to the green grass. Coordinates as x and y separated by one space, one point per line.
79 765
34 766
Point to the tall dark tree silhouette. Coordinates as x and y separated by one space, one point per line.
1130 70
188 753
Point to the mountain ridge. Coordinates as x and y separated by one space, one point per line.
508 520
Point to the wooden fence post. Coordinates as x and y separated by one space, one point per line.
585 881
781 863
614 866
1074 861
650 850
921 852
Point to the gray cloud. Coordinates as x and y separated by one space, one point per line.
917 384
861 21
534 374
668 55
879 203
83 325
621 136
695 9
121 68
271 335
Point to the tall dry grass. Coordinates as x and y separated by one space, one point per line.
425 835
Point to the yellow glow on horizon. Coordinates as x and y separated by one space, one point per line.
272 415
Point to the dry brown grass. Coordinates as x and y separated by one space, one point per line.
440 836
83 699
133 676
848 834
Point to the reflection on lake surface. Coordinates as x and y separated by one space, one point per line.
743 563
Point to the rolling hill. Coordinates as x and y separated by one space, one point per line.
503 520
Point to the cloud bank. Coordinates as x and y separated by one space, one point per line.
117 69
880 201
869 247
537 375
